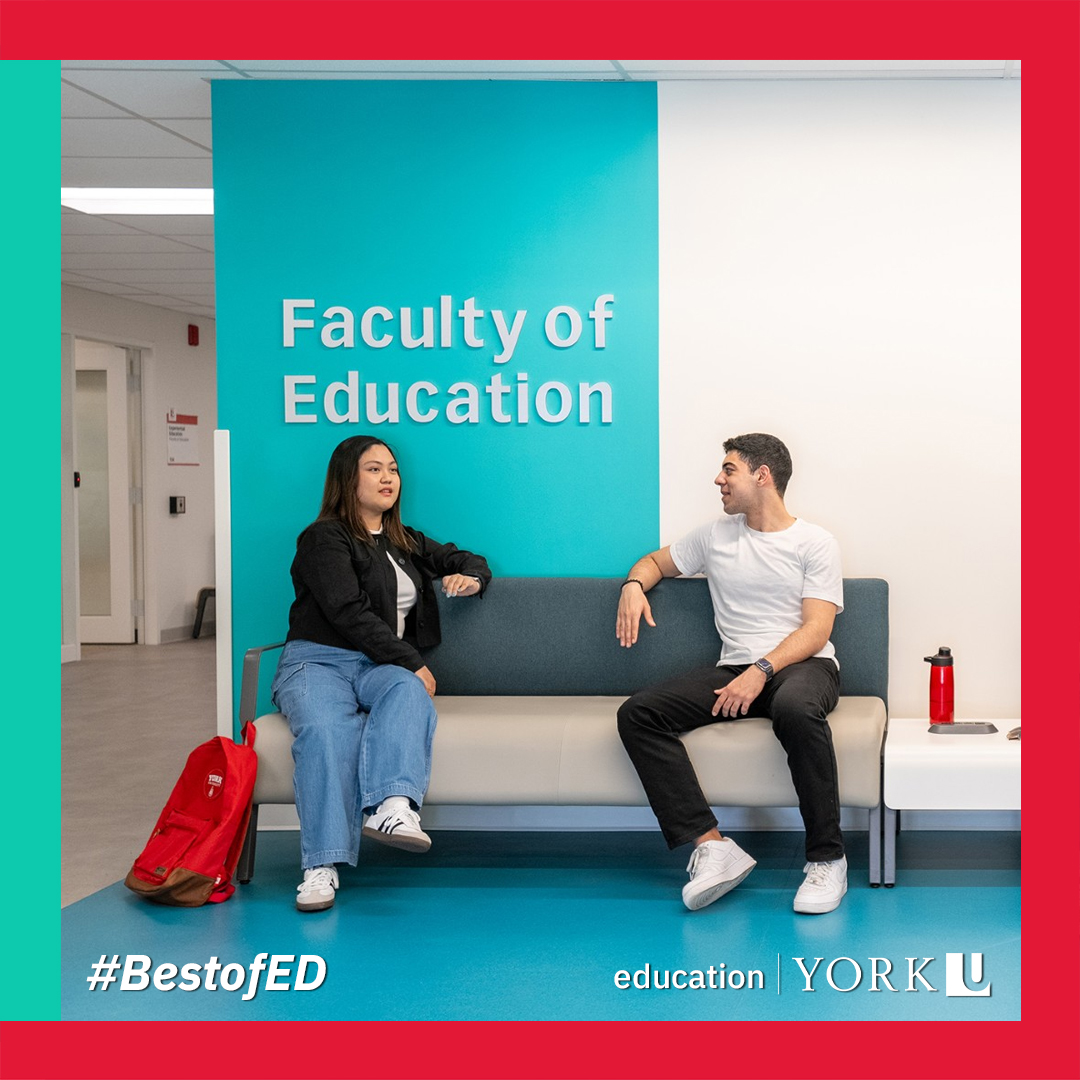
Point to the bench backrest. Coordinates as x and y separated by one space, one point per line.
557 636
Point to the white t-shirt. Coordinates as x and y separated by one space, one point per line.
758 580
406 593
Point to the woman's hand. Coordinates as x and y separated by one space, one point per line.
425 676
460 585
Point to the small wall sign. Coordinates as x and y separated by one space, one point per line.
183 438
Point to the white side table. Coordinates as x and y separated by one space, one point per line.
946 772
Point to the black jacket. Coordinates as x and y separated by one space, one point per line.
346 592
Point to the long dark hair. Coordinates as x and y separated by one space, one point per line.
341 503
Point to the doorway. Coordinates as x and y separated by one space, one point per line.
107 502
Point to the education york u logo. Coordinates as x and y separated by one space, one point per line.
212 785
955 983
878 974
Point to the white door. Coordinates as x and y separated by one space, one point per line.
103 498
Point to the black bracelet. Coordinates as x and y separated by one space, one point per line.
631 581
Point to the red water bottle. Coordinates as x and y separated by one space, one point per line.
941 686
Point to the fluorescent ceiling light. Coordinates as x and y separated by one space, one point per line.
139 200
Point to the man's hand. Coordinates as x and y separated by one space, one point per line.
425 676
736 698
644 574
460 585
633 604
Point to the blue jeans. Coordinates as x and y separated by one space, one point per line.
362 731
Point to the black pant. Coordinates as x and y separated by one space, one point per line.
797 700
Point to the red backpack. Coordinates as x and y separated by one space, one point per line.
192 853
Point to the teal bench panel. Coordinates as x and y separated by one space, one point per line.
557 636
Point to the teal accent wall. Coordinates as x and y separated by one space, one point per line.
525 197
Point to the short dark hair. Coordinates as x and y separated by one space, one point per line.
758 449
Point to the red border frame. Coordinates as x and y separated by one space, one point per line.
1044 33
182 29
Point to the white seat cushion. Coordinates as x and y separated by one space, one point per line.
551 751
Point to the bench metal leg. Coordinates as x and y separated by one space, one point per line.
875 847
246 866
891 826
200 609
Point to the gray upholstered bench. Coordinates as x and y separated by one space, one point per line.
531 676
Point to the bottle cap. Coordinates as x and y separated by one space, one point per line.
944 657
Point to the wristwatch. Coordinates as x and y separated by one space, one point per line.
765 668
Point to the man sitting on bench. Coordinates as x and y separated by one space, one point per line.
776 587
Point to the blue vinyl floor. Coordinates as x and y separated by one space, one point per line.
535 926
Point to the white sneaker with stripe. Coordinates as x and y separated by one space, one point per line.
398 826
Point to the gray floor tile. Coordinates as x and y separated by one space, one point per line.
130 715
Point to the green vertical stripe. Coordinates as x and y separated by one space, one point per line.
31 292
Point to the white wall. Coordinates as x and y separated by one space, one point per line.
840 266
179 549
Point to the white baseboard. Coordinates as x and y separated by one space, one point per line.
183 633
70 653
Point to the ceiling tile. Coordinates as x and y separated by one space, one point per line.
143 172
187 261
143 65
157 299
167 224
191 293
75 102
174 303
76 224
820 76
425 67
722 67
155 279
153 93
96 284
122 138
491 76
131 243
197 130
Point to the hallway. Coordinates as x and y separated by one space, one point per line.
130 715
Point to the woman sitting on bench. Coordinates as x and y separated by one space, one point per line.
351 681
